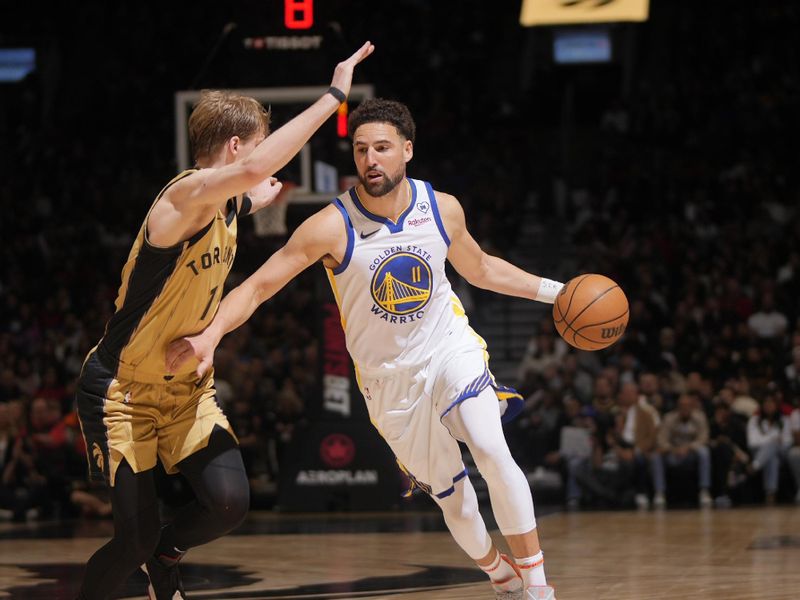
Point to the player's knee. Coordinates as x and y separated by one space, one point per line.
460 513
459 506
229 509
494 462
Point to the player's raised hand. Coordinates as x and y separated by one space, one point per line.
343 74
264 193
199 347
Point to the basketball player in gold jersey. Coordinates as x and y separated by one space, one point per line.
132 410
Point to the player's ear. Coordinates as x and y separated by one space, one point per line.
408 150
233 145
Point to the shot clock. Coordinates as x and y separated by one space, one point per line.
298 14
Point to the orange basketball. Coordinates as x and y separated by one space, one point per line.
591 312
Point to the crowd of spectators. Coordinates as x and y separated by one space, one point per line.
691 206
688 203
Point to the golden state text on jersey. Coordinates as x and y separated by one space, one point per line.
401 284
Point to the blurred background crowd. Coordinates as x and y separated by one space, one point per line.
676 179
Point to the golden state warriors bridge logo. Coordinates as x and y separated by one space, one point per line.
401 287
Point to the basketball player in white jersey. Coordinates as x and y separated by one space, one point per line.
421 368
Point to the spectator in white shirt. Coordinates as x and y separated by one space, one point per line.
768 437
768 322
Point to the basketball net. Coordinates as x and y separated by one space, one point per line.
271 220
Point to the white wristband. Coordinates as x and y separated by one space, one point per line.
548 290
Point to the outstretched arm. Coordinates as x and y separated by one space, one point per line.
485 271
190 203
320 235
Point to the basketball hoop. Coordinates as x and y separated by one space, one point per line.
271 220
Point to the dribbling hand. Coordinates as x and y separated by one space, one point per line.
196 347
343 74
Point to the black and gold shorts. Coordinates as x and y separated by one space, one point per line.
141 422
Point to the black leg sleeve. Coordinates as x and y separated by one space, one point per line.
136 530
220 484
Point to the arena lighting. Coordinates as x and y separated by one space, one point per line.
582 45
16 63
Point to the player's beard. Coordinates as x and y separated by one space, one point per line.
384 185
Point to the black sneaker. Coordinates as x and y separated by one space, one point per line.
165 580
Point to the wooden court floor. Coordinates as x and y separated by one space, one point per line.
740 554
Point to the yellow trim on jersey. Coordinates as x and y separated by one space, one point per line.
378 429
335 289
458 310
358 375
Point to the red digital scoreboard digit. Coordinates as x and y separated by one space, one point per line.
298 14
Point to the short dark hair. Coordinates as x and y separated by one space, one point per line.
380 110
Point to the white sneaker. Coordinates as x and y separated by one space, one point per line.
510 589
659 501
540 592
642 501
705 499
723 501
515 595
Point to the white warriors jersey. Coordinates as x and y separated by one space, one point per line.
395 300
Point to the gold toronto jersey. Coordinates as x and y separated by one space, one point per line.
168 293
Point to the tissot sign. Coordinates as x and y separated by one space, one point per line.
562 12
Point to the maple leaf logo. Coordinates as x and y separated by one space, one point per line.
337 450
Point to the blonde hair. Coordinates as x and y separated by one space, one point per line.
219 116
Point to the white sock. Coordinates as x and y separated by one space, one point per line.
500 571
532 569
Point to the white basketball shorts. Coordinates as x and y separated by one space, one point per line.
409 407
